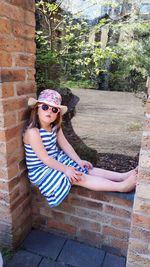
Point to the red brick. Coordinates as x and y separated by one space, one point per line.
67 228
22 102
92 238
12 183
122 245
22 215
144 176
10 105
22 30
13 171
9 75
12 44
143 191
88 193
31 74
76 201
15 194
23 60
145 143
144 161
10 133
13 105
7 90
24 204
11 11
2 135
84 224
113 232
5 26
120 223
30 46
8 120
29 18
25 88
3 147
17 2
3 185
141 220
138 247
117 211
132 265
5 59
148 107
3 160
12 158
146 126
22 115
12 145
136 259
4 197
27 4
142 205
140 234
120 202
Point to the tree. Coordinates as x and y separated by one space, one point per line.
111 50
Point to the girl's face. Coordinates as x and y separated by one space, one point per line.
47 114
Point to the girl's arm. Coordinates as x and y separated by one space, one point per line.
66 147
33 138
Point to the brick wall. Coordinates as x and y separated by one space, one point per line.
139 243
17 56
96 218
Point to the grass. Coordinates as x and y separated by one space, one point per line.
7 253
135 126
77 84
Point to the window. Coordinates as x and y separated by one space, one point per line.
145 8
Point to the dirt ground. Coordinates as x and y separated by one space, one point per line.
111 123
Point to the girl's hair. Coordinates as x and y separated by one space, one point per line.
34 119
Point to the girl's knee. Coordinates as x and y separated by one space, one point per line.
81 180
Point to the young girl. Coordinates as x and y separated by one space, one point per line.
55 170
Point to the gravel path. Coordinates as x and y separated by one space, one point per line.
110 122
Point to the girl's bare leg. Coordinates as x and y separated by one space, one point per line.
102 184
111 175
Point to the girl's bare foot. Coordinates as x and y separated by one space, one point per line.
126 175
129 184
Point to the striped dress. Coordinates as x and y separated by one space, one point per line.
53 185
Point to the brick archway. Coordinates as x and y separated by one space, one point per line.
17 83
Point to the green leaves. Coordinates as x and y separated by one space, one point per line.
118 48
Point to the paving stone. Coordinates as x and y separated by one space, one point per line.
45 244
81 255
111 250
114 261
49 263
24 259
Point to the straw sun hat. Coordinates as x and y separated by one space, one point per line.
49 97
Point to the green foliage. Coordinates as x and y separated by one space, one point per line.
46 54
77 84
124 59
7 254
132 61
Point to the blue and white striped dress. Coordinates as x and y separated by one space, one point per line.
53 185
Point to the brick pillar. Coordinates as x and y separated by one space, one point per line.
17 83
139 242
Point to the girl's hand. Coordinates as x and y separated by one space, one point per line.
85 163
73 174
